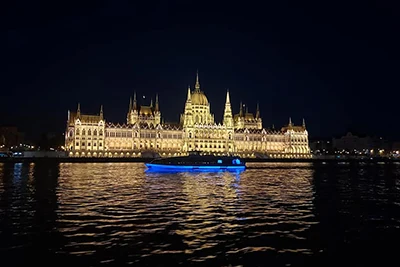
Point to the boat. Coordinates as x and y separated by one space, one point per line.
197 162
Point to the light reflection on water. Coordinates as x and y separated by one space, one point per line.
280 213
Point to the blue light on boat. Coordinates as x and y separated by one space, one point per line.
219 161
194 168
236 161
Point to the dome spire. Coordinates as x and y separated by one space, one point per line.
228 100
197 86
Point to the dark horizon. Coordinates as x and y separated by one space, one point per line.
334 64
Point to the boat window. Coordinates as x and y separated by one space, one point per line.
219 161
236 161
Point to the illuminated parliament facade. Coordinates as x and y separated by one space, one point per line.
144 133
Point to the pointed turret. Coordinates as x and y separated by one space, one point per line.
228 121
157 107
247 109
151 102
273 126
228 101
290 122
186 117
134 101
197 86
130 105
78 110
304 123
241 109
258 111
101 112
189 96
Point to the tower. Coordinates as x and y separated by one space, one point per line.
133 113
258 117
157 113
187 116
228 120
258 111
78 110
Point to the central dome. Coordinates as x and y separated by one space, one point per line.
199 98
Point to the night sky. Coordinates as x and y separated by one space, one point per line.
334 63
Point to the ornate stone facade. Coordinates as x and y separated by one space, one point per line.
145 135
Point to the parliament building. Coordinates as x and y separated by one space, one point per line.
145 134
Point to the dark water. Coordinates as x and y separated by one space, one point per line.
286 214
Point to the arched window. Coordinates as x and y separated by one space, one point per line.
95 132
89 132
71 133
101 133
190 134
83 132
77 132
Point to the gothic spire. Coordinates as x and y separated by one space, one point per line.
258 111
241 109
189 97
290 121
228 112
134 101
197 86
130 104
151 102
304 123
228 101
101 111
78 110
157 108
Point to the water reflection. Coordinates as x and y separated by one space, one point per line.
358 209
28 213
117 213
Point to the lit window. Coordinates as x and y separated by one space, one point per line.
219 161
